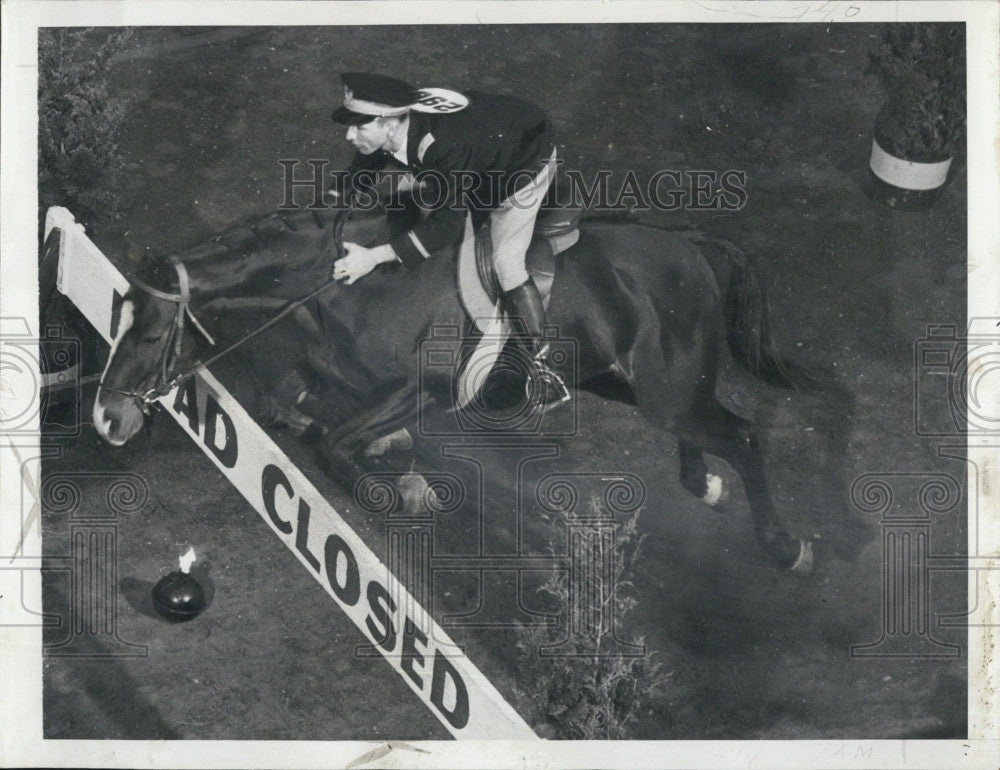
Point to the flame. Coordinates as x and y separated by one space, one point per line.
187 559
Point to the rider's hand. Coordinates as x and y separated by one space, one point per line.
360 261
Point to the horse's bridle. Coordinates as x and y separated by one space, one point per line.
182 299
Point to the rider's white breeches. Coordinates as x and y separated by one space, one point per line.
512 225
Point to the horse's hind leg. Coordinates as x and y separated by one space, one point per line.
718 431
695 477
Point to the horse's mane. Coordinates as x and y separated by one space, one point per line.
254 234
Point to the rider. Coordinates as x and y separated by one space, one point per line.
494 158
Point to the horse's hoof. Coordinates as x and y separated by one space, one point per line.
717 493
397 441
276 415
417 496
312 435
804 564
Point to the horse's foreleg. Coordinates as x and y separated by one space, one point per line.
348 439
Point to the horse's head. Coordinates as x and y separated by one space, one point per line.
281 256
155 342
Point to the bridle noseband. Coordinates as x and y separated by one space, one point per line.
172 350
182 299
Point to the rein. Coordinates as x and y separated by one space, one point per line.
183 301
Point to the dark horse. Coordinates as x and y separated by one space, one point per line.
641 303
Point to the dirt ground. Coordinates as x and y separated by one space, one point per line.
748 651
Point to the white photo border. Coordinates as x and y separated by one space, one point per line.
21 742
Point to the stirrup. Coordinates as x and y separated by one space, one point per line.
553 388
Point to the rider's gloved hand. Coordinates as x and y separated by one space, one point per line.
361 261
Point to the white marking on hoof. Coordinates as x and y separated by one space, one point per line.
804 564
717 492
399 440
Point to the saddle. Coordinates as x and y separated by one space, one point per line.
557 228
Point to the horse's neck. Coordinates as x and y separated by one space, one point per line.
287 253
291 255
222 278
395 304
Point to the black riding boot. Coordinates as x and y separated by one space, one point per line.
545 386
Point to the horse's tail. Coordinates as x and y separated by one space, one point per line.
749 325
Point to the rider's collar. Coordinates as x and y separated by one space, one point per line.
401 153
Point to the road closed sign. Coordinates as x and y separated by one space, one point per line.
364 588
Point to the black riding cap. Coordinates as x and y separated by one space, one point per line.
368 96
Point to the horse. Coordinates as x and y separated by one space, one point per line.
643 304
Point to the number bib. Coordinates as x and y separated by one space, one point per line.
439 101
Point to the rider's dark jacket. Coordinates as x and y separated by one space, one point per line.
470 160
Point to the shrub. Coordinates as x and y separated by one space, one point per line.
590 696
79 165
922 70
